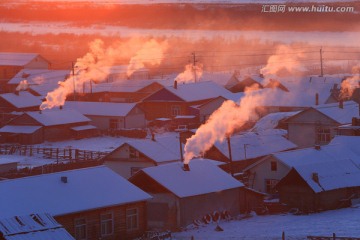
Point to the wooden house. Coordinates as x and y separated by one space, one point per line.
51 125
176 100
183 197
32 227
317 125
12 63
134 155
91 203
321 186
265 174
38 81
110 116
19 102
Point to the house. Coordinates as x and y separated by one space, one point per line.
38 81
247 149
182 197
134 155
203 111
51 125
32 227
19 102
264 174
12 63
177 100
247 82
90 203
317 124
321 185
125 91
110 116
21 134
351 129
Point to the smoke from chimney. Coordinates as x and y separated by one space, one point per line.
152 52
95 66
23 85
190 73
349 85
231 116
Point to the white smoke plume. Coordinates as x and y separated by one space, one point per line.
190 73
230 116
152 52
350 84
23 85
94 66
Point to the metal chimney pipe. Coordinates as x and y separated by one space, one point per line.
175 84
317 99
186 167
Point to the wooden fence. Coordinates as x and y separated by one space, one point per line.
52 153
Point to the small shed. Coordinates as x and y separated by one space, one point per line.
182 197
22 134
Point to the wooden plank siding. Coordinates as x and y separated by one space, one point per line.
93 222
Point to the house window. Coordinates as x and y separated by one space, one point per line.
132 219
270 185
80 228
175 110
114 124
323 135
107 224
273 166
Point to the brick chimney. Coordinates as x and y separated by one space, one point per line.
175 84
341 104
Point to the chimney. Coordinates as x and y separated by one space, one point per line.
40 111
317 147
341 104
315 177
61 107
17 92
186 167
64 179
317 99
261 75
175 84
153 137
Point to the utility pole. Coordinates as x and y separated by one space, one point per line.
73 75
321 63
194 65
230 156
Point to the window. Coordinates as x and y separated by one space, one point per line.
273 166
107 224
132 219
270 185
80 228
175 110
323 135
114 124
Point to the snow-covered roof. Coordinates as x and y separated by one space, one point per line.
198 91
58 117
19 129
220 78
121 86
271 120
341 115
21 100
39 76
154 150
82 128
255 145
204 177
16 59
101 108
86 189
33 227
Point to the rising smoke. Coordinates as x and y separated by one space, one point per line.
232 116
190 74
350 84
23 85
96 64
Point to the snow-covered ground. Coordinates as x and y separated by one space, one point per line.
342 222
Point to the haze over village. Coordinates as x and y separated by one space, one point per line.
173 119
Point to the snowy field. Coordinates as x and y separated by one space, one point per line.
342 222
